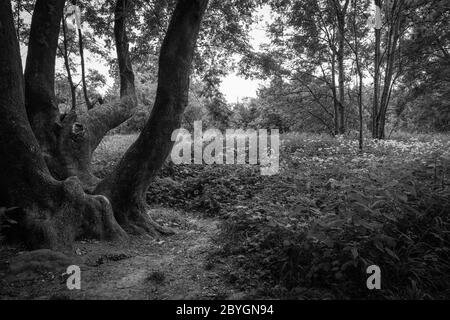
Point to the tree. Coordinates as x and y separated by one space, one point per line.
53 212
60 198
359 30
424 96
128 183
65 53
388 64
309 45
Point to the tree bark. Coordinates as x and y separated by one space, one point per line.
341 12
40 100
381 103
67 65
391 48
122 48
52 213
334 92
127 185
359 74
83 70
67 145
341 70
376 80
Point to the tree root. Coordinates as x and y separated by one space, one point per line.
66 214
136 220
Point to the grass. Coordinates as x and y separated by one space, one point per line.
109 152
312 230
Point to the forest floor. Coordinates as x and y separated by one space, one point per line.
309 232
175 267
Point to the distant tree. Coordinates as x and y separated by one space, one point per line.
424 98
389 57
310 46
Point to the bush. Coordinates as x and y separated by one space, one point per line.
356 210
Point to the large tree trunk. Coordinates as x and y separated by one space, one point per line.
81 135
40 100
127 185
52 213
67 144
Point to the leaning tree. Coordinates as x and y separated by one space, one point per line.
45 157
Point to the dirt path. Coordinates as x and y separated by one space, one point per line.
175 267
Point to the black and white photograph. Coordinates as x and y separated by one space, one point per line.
224 155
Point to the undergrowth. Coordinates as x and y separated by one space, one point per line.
312 230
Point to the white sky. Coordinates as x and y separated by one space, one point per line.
234 87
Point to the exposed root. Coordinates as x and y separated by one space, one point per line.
64 215
137 221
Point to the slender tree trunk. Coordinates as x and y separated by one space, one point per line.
360 77
83 70
391 45
334 92
360 110
376 80
127 185
341 71
52 213
341 13
67 65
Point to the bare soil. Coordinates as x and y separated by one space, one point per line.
175 267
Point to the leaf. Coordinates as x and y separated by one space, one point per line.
11 221
355 253
391 253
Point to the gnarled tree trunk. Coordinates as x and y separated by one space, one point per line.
53 213
67 144
127 185
40 100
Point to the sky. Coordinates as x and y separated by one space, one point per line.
234 87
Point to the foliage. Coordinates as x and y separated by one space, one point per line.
358 210
425 95
312 230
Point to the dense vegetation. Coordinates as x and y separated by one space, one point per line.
363 107
311 231
306 86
